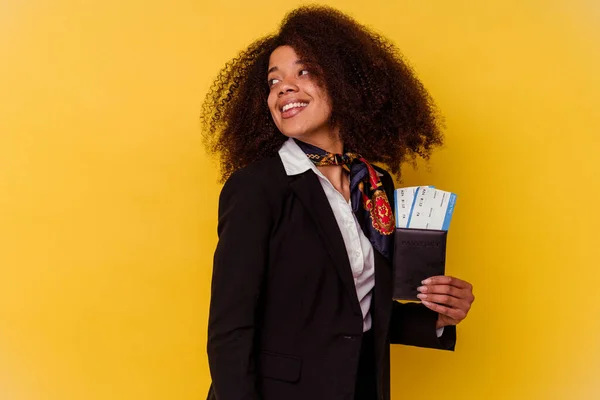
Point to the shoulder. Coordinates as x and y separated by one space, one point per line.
248 198
261 178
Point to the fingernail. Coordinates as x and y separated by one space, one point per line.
422 296
422 289
426 281
426 303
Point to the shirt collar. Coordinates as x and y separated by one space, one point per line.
295 160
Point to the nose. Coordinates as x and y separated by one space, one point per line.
288 86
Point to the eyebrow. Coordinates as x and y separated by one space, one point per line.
275 69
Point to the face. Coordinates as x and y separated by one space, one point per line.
299 106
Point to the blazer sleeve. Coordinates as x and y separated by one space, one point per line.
414 324
239 266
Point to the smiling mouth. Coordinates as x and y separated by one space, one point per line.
292 109
293 105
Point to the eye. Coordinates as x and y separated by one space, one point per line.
273 82
303 72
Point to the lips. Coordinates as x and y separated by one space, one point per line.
292 107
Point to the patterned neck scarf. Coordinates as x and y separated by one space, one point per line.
375 217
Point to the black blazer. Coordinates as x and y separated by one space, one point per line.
285 321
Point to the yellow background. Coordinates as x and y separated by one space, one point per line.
108 202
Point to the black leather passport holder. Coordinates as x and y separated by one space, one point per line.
418 255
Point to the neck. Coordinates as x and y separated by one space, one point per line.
329 141
338 178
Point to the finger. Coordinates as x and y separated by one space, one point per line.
444 300
443 289
447 280
453 313
461 294
447 301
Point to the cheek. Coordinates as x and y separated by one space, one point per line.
323 98
275 116
271 101
324 107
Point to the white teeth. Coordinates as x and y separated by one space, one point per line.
293 105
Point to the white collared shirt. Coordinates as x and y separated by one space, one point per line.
358 247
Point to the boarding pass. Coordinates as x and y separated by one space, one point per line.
424 207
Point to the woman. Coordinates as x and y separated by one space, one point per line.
301 304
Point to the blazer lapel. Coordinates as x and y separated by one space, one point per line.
310 192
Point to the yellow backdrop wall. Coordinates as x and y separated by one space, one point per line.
108 203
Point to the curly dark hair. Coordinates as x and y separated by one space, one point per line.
381 108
